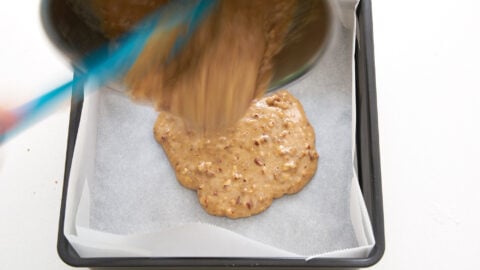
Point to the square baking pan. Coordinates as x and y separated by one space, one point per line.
369 175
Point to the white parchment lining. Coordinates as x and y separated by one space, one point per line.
123 199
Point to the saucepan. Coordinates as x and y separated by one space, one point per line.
71 29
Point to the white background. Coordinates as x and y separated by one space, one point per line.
428 87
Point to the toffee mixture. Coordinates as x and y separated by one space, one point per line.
239 155
239 171
225 65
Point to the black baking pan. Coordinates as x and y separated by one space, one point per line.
368 158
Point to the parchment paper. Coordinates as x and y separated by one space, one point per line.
132 205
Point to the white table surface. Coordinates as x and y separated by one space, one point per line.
428 81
